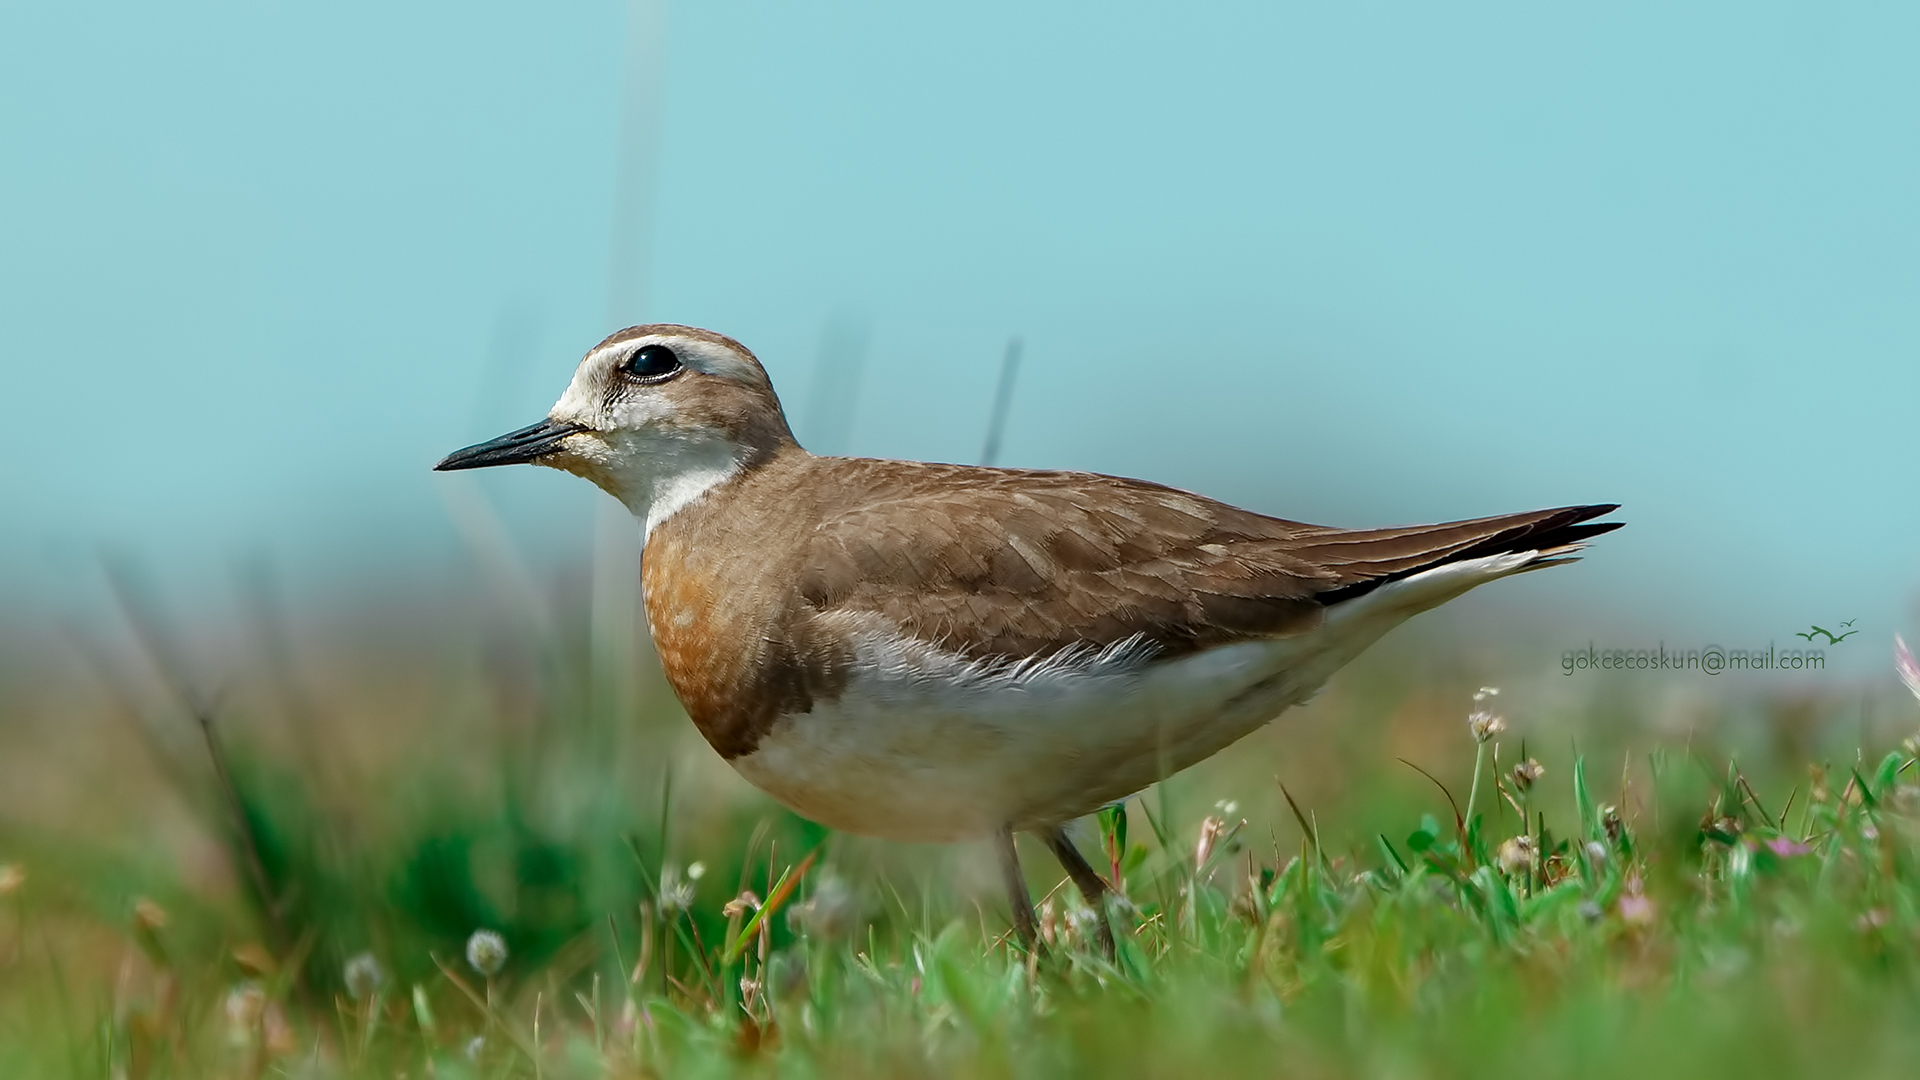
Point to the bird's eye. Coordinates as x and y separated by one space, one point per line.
651 364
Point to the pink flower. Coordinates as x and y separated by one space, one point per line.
1636 909
1904 663
1786 847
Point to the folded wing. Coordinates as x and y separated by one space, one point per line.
1007 564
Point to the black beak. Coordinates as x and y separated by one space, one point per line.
514 448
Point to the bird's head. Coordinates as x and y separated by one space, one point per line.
656 415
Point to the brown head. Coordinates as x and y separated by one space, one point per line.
656 415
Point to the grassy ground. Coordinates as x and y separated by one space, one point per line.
285 877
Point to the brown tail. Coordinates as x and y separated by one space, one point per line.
1365 559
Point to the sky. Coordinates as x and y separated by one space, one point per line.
261 264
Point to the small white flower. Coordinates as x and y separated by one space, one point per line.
245 1002
245 1006
1084 921
364 977
487 952
676 892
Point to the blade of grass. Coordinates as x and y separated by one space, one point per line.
1459 822
1583 800
487 1010
1386 848
777 896
1311 833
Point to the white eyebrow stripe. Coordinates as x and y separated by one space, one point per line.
703 356
605 352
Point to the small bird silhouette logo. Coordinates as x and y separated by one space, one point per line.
1831 639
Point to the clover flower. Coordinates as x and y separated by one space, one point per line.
1526 773
1483 722
1515 855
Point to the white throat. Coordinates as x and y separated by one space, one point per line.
667 475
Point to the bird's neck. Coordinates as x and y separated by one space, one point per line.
677 472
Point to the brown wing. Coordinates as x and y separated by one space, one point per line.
1000 563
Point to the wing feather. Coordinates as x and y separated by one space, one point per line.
1005 564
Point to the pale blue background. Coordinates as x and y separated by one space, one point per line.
260 265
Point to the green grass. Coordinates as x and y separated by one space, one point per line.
190 907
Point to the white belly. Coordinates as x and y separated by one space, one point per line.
922 745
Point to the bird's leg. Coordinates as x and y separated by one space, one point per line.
1025 926
1091 884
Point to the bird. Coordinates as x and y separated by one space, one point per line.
1831 639
944 652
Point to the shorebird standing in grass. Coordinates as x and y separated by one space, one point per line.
948 652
